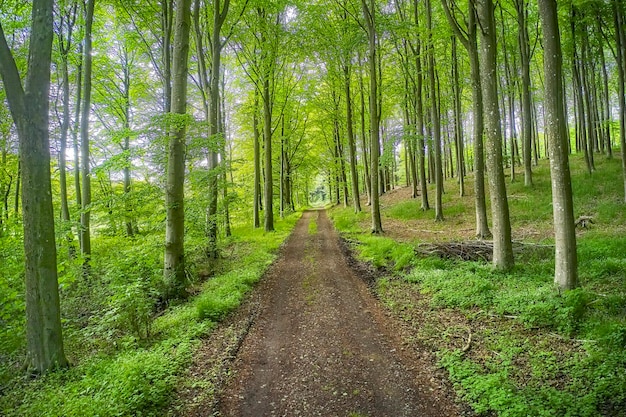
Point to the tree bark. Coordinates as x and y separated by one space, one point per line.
469 39
502 247
351 141
85 214
524 45
257 162
458 123
29 108
174 265
369 13
215 135
620 35
435 117
366 162
566 262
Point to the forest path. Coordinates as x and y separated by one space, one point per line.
323 346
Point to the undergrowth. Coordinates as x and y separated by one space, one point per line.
535 351
127 349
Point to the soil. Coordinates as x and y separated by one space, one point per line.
316 342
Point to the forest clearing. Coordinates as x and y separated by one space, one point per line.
160 167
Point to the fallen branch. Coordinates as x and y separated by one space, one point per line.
558 336
469 341
474 250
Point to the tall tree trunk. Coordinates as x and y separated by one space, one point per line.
502 246
507 85
458 123
435 117
174 265
620 36
592 137
215 135
76 129
267 136
257 162
366 162
85 216
524 46
281 181
469 40
29 108
581 131
566 263
64 46
167 22
128 203
351 141
369 13
606 106
226 158
68 18
419 115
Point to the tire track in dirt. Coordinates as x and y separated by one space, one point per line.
322 345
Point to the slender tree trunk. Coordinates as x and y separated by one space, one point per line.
606 106
508 85
75 130
470 42
366 163
29 108
226 158
620 35
281 181
18 188
65 42
167 21
215 135
351 141
502 247
64 45
435 117
257 162
267 135
419 115
566 263
128 204
174 265
524 46
85 216
591 125
458 123
369 13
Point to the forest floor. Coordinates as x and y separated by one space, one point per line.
313 341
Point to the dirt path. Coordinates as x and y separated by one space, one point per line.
322 346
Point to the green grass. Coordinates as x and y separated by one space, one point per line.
313 226
126 361
535 351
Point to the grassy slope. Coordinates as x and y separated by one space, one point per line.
531 350
126 361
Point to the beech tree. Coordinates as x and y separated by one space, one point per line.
29 104
566 261
521 7
85 214
468 35
435 116
502 246
174 268
209 80
369 15
620 54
